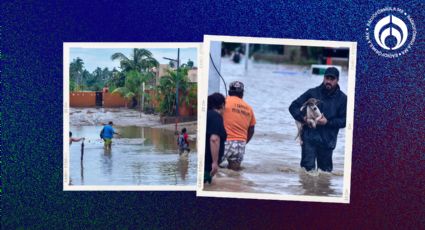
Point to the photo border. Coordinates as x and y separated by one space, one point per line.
203 94
66 106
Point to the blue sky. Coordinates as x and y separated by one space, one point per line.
101 57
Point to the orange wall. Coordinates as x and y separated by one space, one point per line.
88 99
82 99
113 101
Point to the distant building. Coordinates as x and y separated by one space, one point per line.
193 75
162 71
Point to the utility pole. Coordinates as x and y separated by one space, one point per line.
246 56
177 87
177 83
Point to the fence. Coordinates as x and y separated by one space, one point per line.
88 99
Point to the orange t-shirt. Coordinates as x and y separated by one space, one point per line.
238 116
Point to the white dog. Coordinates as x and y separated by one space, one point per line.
313 114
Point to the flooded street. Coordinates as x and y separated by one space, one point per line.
272 158
139 156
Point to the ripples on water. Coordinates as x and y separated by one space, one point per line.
272 158
140 156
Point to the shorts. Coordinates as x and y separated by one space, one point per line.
234 151
107 141
183 148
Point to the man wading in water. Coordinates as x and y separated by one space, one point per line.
106 134
239 121
319 143
215 136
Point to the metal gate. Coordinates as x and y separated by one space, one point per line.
99 99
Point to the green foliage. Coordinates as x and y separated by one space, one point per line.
166 90
190 64
81 79
141 60
171 64
133 85
75 74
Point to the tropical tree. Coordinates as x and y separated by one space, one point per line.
132 88
172 64
75 72
167 90
94 80
116 80
141 60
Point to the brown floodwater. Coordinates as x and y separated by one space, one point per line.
272 158
139 156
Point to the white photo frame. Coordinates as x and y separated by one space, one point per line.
203 93
66 119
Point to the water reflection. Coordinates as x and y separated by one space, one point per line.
106 161
182 167
82 172
318 185
139 156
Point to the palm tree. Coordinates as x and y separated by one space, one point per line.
132 87
167 90
117 79
76 70
141 60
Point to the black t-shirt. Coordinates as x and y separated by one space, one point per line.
214 126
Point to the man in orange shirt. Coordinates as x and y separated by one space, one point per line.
239 122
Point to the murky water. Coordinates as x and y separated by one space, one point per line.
140 156
272 158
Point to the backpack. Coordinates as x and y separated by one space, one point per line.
101 133
180 140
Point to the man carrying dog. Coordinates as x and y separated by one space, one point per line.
239 121
319 143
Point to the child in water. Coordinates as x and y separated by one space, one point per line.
183 142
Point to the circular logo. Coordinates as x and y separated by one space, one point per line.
390 32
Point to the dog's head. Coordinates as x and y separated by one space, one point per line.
311 104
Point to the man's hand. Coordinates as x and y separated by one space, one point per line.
322 120
215 147
307 123
214 169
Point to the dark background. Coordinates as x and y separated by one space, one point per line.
388 163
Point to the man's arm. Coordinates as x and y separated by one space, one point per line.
250 133
77 139
113 131
215 147
340 120
296 105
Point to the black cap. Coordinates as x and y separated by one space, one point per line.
236 86
332 72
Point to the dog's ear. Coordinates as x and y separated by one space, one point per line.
302 107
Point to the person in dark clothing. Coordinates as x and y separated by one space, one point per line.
319 143
215 136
